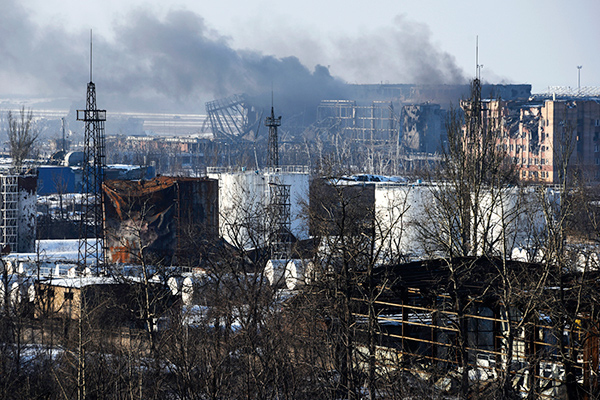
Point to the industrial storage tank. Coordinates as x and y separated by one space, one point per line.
298 273
275 272
16 294
174 283
187 290
31 293
191 287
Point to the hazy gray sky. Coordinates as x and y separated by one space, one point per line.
189 49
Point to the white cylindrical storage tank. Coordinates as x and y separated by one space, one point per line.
24 266
174 283
10 266
72 273
31 293
187 291
275 272
16 294
519 254
298 273
62 269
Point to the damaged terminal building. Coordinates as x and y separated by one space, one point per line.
159 220
378 127
536 133
383 129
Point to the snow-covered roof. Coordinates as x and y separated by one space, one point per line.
79 282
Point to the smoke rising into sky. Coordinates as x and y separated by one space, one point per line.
177 62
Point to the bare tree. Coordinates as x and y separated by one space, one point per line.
22 136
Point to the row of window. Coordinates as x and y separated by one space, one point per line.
531 161
534 174
519 147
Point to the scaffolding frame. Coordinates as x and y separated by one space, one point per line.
374 124
280 236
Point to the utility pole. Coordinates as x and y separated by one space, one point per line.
64 143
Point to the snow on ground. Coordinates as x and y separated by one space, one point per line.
53 257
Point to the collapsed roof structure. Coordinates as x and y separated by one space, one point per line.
234 118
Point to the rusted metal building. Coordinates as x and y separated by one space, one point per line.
164 221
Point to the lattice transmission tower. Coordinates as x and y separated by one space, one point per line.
91 234
272 123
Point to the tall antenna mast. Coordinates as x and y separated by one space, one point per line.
478 66
272 123
473 107
91 226
64 144
91 56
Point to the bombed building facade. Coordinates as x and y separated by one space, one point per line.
549 350
157 221
548 136
18 212
539 134
423 128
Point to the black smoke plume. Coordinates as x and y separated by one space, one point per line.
177 62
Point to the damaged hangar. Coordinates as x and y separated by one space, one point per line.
155 221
